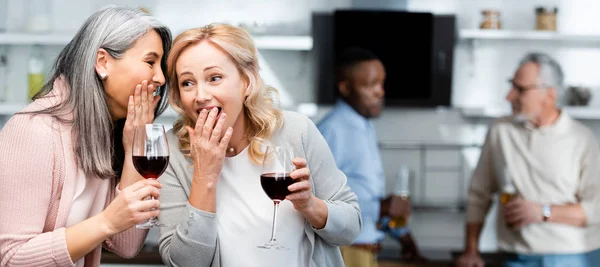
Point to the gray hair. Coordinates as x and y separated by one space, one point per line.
114 29
550 74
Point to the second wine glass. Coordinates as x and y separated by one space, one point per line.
275 179
150 158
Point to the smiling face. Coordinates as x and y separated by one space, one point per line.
207 78
140 62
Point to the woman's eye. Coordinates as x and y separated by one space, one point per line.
215 78
186 84
151 63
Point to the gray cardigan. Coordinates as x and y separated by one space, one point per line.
191 239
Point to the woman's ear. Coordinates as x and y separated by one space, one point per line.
102 63
248 91
248 87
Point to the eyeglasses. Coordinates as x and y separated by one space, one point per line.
523 88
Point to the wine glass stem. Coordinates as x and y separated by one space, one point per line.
273 229
153 218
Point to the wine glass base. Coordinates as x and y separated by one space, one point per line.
150 224
273 245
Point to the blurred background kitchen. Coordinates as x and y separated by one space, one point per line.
447 61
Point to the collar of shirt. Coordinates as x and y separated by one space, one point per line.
560 125
353 116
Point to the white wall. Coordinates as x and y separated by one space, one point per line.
481 73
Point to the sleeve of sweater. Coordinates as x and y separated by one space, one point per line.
483 183
589 185
343 221
190 238
128 243
30 159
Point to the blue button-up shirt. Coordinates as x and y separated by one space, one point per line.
353 142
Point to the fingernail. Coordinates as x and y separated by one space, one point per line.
215 109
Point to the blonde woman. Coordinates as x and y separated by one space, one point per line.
212 196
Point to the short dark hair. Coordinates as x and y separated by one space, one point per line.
349 58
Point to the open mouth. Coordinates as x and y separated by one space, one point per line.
209 109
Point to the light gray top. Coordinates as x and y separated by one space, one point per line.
555 164
192 239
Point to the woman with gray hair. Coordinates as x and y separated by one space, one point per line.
67 179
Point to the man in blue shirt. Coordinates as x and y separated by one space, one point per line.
352 139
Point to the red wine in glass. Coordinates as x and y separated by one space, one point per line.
150 167
150 158
276 185
275 179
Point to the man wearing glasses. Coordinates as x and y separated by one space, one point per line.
549 163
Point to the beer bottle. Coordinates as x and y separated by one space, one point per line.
401 190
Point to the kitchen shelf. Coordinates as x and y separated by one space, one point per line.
299 43
476 34
484 113
265 42
35 39
582 113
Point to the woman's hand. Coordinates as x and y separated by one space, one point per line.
130 207
140 111
312 208
208 147
301 189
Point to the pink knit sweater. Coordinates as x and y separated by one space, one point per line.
37 183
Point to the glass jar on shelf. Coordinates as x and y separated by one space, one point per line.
491 19
545 18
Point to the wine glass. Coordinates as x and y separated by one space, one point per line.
275 179
150 158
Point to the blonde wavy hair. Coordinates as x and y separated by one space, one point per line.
261 107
